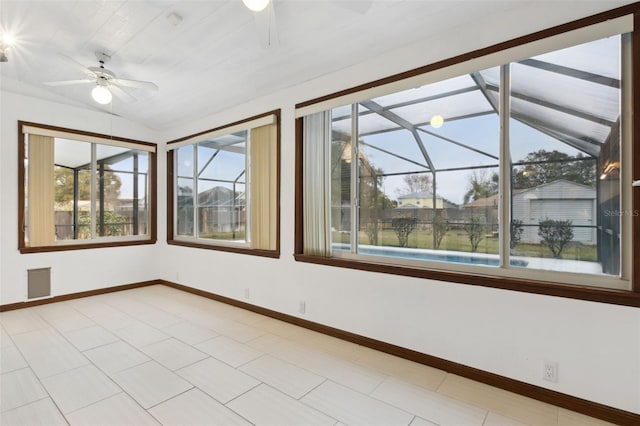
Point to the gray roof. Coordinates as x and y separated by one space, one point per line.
422 194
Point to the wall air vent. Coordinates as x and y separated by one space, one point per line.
38 283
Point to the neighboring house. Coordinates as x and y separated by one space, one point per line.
484 207
220 211
423 200
557 200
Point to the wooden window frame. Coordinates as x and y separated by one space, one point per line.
84 244
214 244
611 296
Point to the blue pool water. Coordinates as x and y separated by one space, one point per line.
417 254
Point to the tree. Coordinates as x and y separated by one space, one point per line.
555 234
544 166
475 229
113 225
415 183
480 185
372 199
63 188
403 226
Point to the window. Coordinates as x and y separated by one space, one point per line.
81 190
224 187
508 173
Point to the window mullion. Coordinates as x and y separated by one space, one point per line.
196 202
176 163
247 192
94 169
326 158
355 211
504 227
626 163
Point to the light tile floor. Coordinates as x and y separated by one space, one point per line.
157 355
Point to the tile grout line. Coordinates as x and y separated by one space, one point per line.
34 374
107 375
314 388
292 398
239 395
123 391
174 396
45 390
486 417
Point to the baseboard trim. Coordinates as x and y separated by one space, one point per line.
71 296
583 406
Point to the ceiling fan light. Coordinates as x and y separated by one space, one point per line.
101 95
256 5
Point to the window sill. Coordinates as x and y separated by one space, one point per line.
84 246
275 254
614 297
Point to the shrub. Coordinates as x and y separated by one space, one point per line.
371 229
517 229
403 226
555 234
475 229
440 227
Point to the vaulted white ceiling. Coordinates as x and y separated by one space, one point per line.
217 56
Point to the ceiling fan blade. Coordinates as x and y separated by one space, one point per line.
133 83
121 93
76 64
69 82
266 26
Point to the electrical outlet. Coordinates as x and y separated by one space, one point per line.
246 293
550 371
302 308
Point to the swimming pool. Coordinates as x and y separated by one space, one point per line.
432 255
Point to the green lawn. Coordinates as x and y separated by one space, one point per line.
458 240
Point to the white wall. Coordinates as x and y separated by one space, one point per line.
596 345
72 271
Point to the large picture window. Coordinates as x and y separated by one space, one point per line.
84 190
514 170
224 187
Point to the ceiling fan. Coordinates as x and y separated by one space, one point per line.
106 82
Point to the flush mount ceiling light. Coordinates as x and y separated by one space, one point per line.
101 94
256 5
436 121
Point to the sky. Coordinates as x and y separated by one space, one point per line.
599 57
479 132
